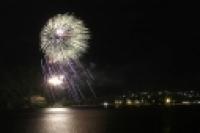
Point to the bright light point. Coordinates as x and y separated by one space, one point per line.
129 102
105 104
168 100
60 32
56 80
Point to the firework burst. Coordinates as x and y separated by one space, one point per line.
64 37
63 40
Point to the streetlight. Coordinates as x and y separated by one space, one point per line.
168 100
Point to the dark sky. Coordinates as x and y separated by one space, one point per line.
134 45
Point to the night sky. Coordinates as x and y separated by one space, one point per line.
134 45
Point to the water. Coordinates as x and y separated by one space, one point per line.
85 120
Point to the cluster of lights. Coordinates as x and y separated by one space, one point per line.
135 102
118 102
129 102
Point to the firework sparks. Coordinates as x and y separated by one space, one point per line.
64 37
56 80
63 41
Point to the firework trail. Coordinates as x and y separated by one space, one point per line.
63 40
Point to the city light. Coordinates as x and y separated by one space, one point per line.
148 98
56 80
129 102
105 104
118 102
185 102
168 100
137 102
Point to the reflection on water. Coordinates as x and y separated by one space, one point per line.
64 120
57 120
58 110
166 122
136 120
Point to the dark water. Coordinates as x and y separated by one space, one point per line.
79 120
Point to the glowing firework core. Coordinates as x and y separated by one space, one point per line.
60 32
56 80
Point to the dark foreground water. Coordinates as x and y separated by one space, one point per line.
78 120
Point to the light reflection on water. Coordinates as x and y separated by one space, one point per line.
59 110
64 120
79 120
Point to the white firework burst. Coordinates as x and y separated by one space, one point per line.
64 37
